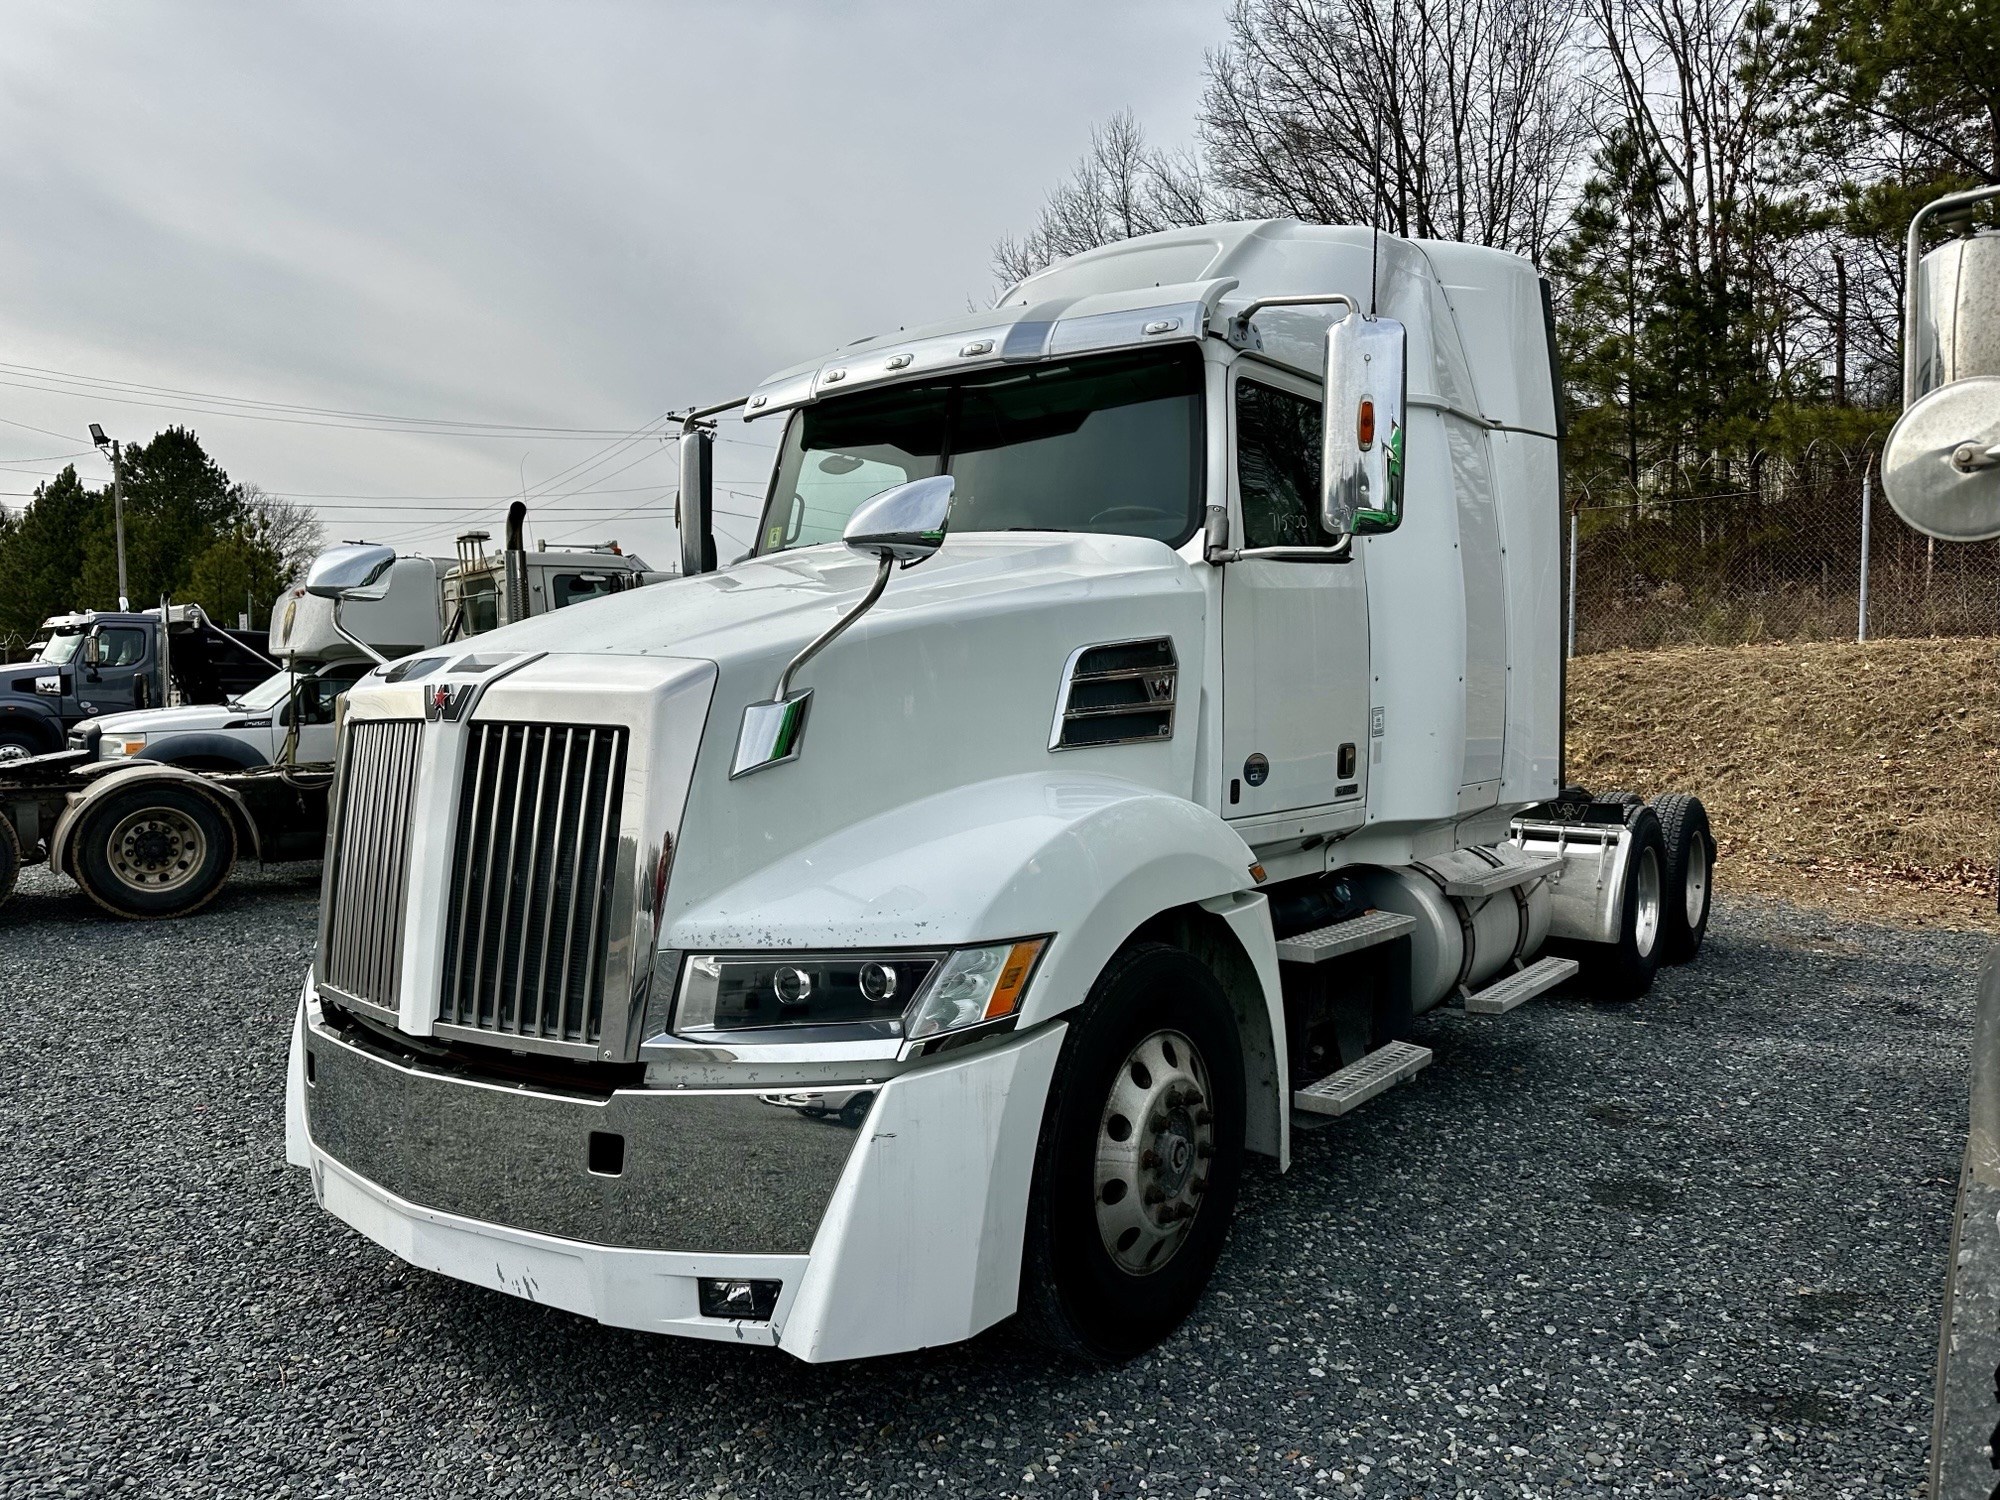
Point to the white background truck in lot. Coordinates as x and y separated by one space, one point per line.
1099 763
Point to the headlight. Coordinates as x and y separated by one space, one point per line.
861 994
118 746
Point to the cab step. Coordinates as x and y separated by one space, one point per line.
1523 984
1357 1083
1364 931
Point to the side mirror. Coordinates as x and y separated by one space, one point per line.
695 509
353 570
1367 389
93 650
905 524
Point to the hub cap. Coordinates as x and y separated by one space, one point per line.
1154 1145
156 849
10 751
1699 859
1646 893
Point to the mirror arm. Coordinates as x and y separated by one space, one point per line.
827 636
1340 551
354 640
1239 326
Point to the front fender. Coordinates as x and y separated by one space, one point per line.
123 779
18 711
173 748
1085 858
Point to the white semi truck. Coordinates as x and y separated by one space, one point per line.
1142 701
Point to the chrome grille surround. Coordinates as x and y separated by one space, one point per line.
658 704
367 863
533 884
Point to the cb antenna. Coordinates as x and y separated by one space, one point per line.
1375 213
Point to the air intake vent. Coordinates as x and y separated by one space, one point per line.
532 885
1118 694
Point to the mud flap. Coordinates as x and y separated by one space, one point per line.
1965 1427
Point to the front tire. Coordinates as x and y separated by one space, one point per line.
1138 1162
154 851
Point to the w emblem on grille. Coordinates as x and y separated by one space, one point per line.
1161 687
446 701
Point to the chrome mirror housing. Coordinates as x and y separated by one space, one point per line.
905 524
1362 426
901 525
352 570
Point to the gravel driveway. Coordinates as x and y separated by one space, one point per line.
1687 1247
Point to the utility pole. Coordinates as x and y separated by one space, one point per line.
117 505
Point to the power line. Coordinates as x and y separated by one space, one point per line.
67 382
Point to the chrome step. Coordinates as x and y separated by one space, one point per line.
1357 1083
1519 869
1524 984
1364 931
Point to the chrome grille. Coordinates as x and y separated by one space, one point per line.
532 881
362 947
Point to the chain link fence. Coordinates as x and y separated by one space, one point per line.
1794 562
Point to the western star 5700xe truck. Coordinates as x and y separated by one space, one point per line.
1142 701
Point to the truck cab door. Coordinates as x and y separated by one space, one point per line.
112 684
1295 689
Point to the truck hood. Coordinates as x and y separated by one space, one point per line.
767 608
152 721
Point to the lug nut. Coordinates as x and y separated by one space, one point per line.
1203 1117
1149 1159
1153 1197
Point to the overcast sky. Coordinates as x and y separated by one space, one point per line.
574 215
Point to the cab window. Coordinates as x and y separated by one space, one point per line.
1277 466
120 647
574 588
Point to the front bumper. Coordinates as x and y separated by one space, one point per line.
891 1232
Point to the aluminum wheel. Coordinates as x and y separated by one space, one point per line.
11 751
1696 886
1154 1143
156 849
1646 893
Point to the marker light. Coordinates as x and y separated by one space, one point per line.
976 985
1365 425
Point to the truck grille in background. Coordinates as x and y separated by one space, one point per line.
532 877
365 894
1119 694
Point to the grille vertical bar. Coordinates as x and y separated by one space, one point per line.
368 893
532 881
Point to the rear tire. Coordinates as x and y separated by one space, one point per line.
18 744
154 851
1117 1251
1619 799
1624 970
1690 875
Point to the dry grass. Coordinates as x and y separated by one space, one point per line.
1861 778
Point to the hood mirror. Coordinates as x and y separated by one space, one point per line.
353 570
902 525
905 524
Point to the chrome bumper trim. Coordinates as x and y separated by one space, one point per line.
716 1171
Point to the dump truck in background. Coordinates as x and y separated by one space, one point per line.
149 811
1142 702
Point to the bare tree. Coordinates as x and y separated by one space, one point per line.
291 531
1119 188
1455 119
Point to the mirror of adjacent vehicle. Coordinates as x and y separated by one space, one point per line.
1362 435
93 650
352 570
694 509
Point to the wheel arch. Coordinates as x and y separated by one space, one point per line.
202 750
62 839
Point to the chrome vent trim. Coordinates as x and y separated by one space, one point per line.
532 887
1117 693
367 873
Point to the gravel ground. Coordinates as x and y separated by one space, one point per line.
1687 1247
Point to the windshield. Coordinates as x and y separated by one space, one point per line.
267 694
61 648
1110 445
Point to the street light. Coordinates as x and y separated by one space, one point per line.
98 438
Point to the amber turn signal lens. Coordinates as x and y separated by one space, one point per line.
1365 427
1013 979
